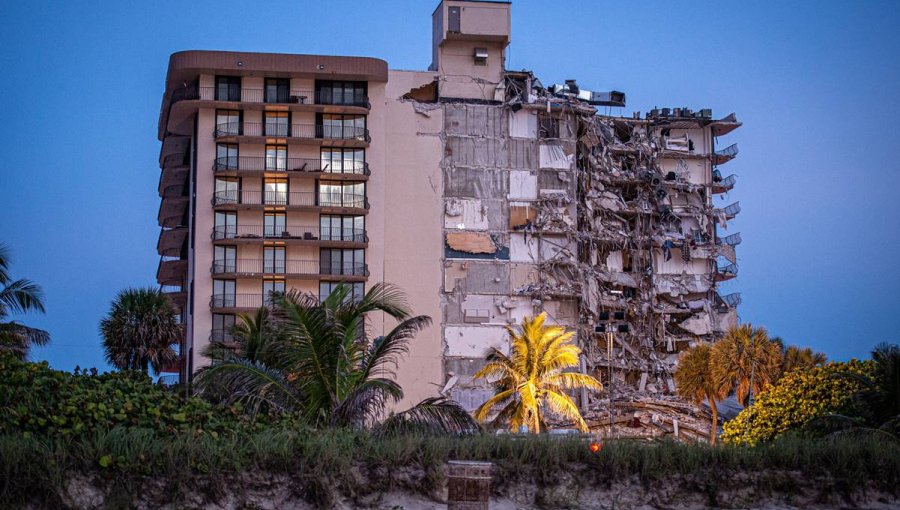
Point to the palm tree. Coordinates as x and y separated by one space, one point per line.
881 395
140 329
795 358
316 360
695 381
253 337
745 361
533 378
18 296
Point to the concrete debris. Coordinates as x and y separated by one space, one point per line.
606 223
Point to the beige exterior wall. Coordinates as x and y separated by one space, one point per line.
412 236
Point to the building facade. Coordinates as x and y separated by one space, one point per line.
484 194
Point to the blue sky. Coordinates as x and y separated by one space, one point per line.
816 85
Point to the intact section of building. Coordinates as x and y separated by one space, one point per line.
483 193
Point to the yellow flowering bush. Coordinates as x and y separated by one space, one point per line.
797 398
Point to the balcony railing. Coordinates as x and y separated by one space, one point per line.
280 96
238 301
307 233
283 130
726 183
221 336
732 210
288 198
275 164
287 267
731 300
728 152
732 240
727 272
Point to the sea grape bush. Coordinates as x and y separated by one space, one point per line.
35 399
796 399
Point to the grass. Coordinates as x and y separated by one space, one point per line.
325 464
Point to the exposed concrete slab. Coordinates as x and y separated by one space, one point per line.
475 341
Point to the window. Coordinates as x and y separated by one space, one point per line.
343 161
276 158
356 290
481 56
224 259
275 191
341 92
273 259
228 122
342 262
277 90
228 190
270 287
277 123
342 228
223 294
228 88
226 156
342 195
221 327
275 225
226 225
342 127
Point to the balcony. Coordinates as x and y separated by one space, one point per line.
292 131
732 210
171 241
322 236
732 240
222 336
728 301
288 199
176 294
254 268
171 271
727 272
173 367
238 302
725 155
295 166
291 96
721 185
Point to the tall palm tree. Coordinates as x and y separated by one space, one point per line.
140 330
695 381
18 296
318 362
795 358
533 379
746 361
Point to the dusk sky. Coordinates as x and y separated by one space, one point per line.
817 86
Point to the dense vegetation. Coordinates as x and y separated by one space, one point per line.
36 400
320 466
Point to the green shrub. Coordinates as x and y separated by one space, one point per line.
796 399
35 399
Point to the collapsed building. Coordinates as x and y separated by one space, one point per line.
484 194
605 223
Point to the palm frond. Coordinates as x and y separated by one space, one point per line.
22 296
249 383
437 415
366 403
562 405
